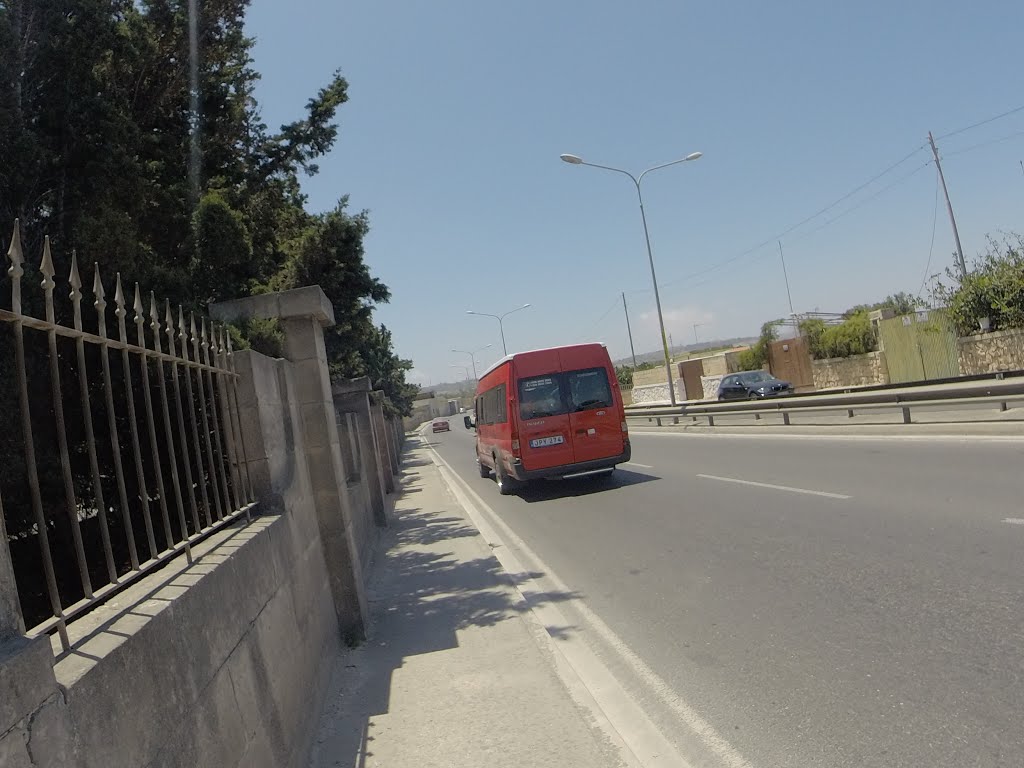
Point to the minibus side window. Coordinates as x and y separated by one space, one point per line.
492 407
500 405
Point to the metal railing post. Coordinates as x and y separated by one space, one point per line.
86 506
75 281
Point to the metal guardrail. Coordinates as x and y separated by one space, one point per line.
856 390
875 400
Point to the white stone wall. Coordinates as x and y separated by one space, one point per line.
654 394
991 352
710 385
854 371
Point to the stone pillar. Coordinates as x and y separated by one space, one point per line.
32 708
31 705
304 313
11 621
380 433
353 396
389 438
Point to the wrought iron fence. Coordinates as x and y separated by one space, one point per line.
111 506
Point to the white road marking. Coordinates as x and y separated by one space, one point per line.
636 464
646 742
789 488
1014 520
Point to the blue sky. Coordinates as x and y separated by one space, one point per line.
458 112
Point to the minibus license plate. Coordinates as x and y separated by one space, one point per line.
540 442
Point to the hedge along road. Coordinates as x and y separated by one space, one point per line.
817 601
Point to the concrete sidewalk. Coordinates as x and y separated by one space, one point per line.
457 672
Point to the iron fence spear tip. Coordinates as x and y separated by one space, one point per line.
75 280
14 252
97 287
46 266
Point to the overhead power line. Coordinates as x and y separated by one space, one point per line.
889 169
802 222
931 247
593 326
973 147
980 123
866 200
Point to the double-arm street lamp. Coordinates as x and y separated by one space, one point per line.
472 355
499 318
575 160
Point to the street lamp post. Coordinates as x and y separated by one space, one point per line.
499 318
472 355
576 160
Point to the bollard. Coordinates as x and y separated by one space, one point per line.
785 418
675 419
1002 406
849 413
659 421
906 414
711 420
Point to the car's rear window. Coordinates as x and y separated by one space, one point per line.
558 393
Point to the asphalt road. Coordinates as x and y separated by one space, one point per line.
818 601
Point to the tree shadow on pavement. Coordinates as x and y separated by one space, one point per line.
426 588
408 463
441 528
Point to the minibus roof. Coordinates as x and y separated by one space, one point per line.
507 358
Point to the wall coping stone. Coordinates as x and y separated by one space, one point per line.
310 301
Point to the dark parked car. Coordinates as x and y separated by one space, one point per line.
752 385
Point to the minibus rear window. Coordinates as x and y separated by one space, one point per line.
588 389
559 393
541 396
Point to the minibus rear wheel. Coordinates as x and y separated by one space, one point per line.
503 480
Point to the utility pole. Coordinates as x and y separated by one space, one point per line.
949 207
785 276
629 330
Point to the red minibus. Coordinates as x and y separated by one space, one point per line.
550 413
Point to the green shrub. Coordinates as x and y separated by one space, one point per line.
756 356
854 336
993 289
625 376
263 336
